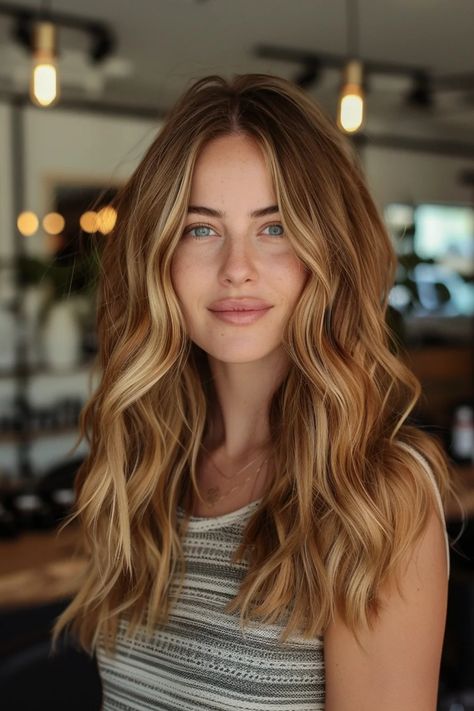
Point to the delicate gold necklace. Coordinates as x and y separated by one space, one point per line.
213 493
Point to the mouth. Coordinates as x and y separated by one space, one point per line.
239 311
241 316
239 305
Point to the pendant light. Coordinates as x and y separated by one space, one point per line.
44 86
350 114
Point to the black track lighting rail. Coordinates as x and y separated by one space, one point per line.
103 39
313 63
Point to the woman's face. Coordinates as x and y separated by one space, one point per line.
228 252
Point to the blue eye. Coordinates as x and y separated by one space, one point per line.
199 230
276 226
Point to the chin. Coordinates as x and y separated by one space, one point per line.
239 354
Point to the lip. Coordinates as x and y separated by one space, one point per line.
242 304
241 317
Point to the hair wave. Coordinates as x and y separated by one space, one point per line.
349 499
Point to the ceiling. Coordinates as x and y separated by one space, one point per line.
163 45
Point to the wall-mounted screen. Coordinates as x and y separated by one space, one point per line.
435 276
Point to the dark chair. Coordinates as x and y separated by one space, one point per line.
34 679
458 651
457 667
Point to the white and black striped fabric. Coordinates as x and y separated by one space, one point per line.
202 659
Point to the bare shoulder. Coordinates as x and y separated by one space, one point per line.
398 666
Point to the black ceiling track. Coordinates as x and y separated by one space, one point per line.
312 64
103 40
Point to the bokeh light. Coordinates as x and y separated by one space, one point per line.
27 223
89 222
106 219
53 223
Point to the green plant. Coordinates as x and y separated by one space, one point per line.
77 277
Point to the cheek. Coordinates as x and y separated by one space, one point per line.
295 279
189 279
180 273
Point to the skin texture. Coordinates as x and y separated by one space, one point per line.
400 667
238 256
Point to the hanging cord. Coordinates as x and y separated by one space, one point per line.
45 10
352 28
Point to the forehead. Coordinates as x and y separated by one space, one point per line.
232 162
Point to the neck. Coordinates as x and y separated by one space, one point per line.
239 420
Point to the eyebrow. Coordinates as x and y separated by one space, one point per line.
210 212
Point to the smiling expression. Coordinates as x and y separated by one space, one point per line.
234 246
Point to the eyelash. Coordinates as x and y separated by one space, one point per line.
195 227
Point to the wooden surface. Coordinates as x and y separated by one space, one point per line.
39 567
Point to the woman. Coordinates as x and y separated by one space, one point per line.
265 530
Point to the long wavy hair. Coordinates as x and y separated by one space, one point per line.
347 497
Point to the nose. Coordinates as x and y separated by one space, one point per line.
238 262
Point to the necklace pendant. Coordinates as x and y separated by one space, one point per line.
212 495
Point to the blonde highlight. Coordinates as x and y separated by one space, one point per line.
349 499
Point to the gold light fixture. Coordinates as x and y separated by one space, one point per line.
350 113
44 85
350 116
38 30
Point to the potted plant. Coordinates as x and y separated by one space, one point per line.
58 306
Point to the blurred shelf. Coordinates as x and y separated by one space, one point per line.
464 478
449 363
48 372
15 437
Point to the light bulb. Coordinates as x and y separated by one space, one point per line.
351 101
44 88
45 84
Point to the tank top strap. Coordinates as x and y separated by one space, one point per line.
426 467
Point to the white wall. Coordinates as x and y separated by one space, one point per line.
76 147
407 176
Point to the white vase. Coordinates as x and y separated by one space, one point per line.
62 337
33 300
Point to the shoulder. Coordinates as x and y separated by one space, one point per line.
426 473
397 663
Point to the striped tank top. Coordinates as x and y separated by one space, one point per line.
202 659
